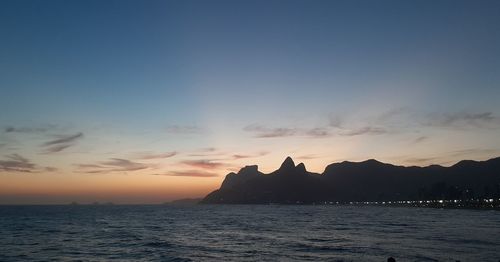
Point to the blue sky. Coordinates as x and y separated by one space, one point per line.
407 82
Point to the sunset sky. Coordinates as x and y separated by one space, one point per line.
149 101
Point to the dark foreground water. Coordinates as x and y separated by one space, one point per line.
248 233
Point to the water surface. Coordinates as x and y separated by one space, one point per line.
247 233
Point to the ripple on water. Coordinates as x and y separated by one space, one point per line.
248 233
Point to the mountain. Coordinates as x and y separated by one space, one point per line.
369 180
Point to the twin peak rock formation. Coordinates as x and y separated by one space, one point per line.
369 180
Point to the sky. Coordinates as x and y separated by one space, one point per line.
149 101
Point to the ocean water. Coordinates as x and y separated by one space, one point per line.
247 233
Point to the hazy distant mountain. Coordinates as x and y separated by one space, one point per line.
359 181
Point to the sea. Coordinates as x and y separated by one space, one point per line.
246 233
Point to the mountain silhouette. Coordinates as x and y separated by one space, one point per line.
369 180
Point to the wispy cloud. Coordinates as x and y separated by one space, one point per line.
444 158
17 163
31 130
309 156
421 160
189 173
461 119
203 164
61 143
318 132
420 139
473 151
266 132
207 152
149 156
335 121
243 156
407 120
112 165
51 169
175 129
261 131
367 130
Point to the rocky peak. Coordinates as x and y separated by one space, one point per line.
288 164
249 170
300 168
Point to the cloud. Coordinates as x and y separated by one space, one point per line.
56 148
11 129
61 143
420 160
310 156
189 173
472 151
240 156
112 165
207 152
64 139
17 163
51 169
268 132
158 156
367 130
88 166
335 121
461 119
420 139
124 164
175 129
207 149
30 130
203 164
318 132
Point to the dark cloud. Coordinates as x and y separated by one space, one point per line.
17 163
189 173
39 129
56 148
63 139
175 129
203 164
112 165
158 156
61 143
367 130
